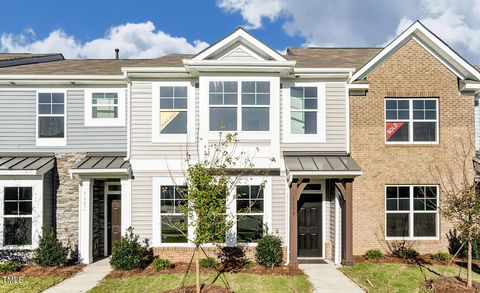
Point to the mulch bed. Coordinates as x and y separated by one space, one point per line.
180 268
448 285
38 271
423 259
203 289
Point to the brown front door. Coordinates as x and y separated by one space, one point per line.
114 220
310 225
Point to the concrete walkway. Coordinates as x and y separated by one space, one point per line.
326 278
84 280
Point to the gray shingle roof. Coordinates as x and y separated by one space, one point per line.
331 57
37 164
103 161
14 59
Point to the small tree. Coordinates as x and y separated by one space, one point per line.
211 182
460 198
50 251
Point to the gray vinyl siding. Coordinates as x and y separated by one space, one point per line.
142 147
49 201
335 104
279 207
18 126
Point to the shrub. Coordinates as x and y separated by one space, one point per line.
407 253
50 251
248 264
455 242
9 267
208 263
161 264
128 253
269 252
373 254
443 256
232 258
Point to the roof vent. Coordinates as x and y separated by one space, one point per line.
117 53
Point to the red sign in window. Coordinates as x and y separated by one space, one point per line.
392 127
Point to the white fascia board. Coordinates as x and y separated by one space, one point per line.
59 77
324 70
327 173
152 69
357 86
266 63
422 32
469 86
18 172
119 171
237 35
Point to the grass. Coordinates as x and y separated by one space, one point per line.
29 284
397 277
240 282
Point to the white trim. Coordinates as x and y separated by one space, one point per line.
357 86
326 173
242 36
122 171
18 172
37 210
106 194
59 77
250 52
421 32
129 118
347 120
42 141
338 225
85 231
157 137
410 121
320 136
103 122
411 212
126 199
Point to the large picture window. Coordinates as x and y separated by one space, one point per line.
17 216
174 226
411 120
51 115
411 211
250 212
249 113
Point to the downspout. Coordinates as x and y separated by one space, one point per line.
347 114
289 181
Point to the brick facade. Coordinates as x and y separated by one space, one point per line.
409 72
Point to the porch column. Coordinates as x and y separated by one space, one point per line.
126 204
296 190
346 189
85 227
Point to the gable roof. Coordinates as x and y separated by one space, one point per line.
14 59
331 57
239 35
433 44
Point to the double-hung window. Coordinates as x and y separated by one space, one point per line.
303 110
411 120
105 107
17 216
173 109
250 213
411 211
51 117
239 105
174 227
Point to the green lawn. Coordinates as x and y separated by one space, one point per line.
29 284
396 277
239 282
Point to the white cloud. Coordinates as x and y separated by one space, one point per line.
135 40
367 22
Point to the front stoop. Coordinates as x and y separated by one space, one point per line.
326 278
84 280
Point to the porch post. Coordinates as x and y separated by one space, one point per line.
85 211
346 189
296 190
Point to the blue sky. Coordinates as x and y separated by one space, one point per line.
148 28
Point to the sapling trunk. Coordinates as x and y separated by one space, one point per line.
469 265
197 270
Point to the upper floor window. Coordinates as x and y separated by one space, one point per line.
304 112
411 120
251 113
304 108
411 211
51 118
173 111
105 107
